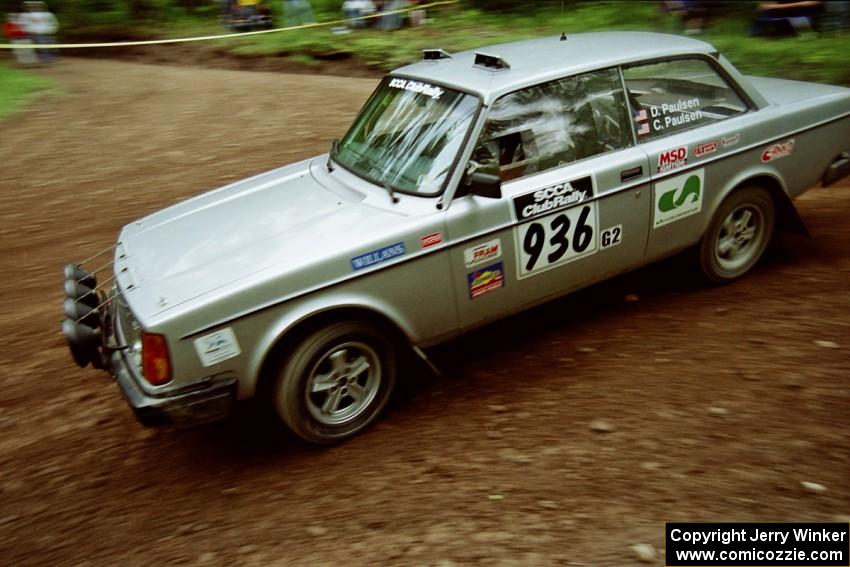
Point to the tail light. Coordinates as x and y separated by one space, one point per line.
156 364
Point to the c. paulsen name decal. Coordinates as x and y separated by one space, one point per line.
377 256
552 198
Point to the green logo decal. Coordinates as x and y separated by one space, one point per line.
667 202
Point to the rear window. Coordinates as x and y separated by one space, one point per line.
673 96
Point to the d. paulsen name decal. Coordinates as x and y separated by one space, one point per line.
377 256
552 198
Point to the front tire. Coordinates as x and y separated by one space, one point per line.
336 381
738 234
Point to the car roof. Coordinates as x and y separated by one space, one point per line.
537 60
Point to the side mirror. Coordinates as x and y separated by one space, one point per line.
484 185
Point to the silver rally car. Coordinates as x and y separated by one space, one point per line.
471 186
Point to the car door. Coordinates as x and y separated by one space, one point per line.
688 120
575 201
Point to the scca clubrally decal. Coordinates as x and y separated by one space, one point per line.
552 198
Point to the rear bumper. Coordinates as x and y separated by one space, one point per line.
209 400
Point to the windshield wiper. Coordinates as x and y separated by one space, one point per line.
329 164
390 190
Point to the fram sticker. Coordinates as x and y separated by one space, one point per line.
777 151
484 252
671 159
217 347
377 256
678 197
552 198
705 149
431 239
730 140
485 280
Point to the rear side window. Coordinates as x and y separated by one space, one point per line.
674 96
554 124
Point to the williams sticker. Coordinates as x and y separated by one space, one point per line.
486 280
678 197
377 256
672 159
484 252
777 151
431 239
217 347
553 198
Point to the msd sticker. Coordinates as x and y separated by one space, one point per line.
217 347
553 198
485 252
671 159
485 280
777 151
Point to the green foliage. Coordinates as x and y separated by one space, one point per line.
17 87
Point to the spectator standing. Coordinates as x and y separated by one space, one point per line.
357 9
15 33
296 12
392 21
40 25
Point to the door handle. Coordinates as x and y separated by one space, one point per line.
632 173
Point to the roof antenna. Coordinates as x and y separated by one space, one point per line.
563 34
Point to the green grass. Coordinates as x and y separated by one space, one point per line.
18 87
823 57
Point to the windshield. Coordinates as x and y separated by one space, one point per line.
408 135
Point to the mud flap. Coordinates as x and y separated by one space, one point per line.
788 218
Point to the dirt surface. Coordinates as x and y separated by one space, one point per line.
560 437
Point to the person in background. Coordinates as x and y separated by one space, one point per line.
15 33
787 18
357 9
296 12
391 21
40 25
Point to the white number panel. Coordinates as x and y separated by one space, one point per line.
556 239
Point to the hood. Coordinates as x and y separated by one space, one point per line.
281 222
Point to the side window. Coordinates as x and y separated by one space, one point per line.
554 124
673 96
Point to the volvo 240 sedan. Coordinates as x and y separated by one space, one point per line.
471 186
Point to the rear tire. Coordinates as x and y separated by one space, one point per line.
336 381
738 235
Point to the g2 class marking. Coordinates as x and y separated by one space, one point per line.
552 198
611 236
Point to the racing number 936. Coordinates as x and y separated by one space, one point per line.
557 239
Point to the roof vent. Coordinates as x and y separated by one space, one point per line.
435 54
490 61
